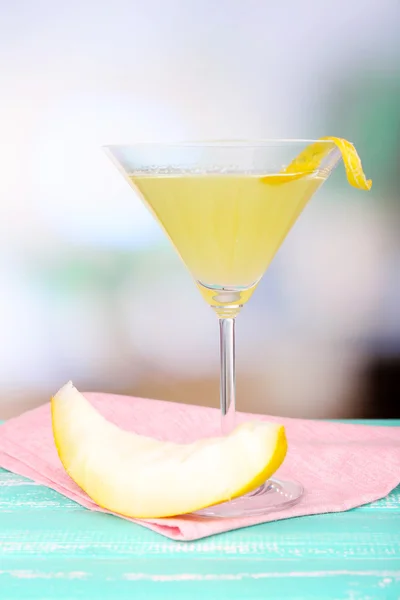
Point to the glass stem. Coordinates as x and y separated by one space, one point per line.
227 374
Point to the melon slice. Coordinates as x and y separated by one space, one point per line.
141 477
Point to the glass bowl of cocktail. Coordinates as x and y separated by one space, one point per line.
226 206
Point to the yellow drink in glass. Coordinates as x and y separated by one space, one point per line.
226 227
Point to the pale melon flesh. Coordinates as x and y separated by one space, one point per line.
138 476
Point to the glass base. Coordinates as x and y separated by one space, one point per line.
272 496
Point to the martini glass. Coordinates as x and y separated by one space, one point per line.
227 206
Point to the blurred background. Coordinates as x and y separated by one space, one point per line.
82 263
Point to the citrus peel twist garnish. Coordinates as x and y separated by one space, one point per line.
310 159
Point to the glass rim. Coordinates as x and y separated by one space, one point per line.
219 143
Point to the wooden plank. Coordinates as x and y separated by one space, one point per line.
314 538
73 579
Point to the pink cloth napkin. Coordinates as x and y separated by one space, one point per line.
340 466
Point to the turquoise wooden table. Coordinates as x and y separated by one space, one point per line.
53 549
